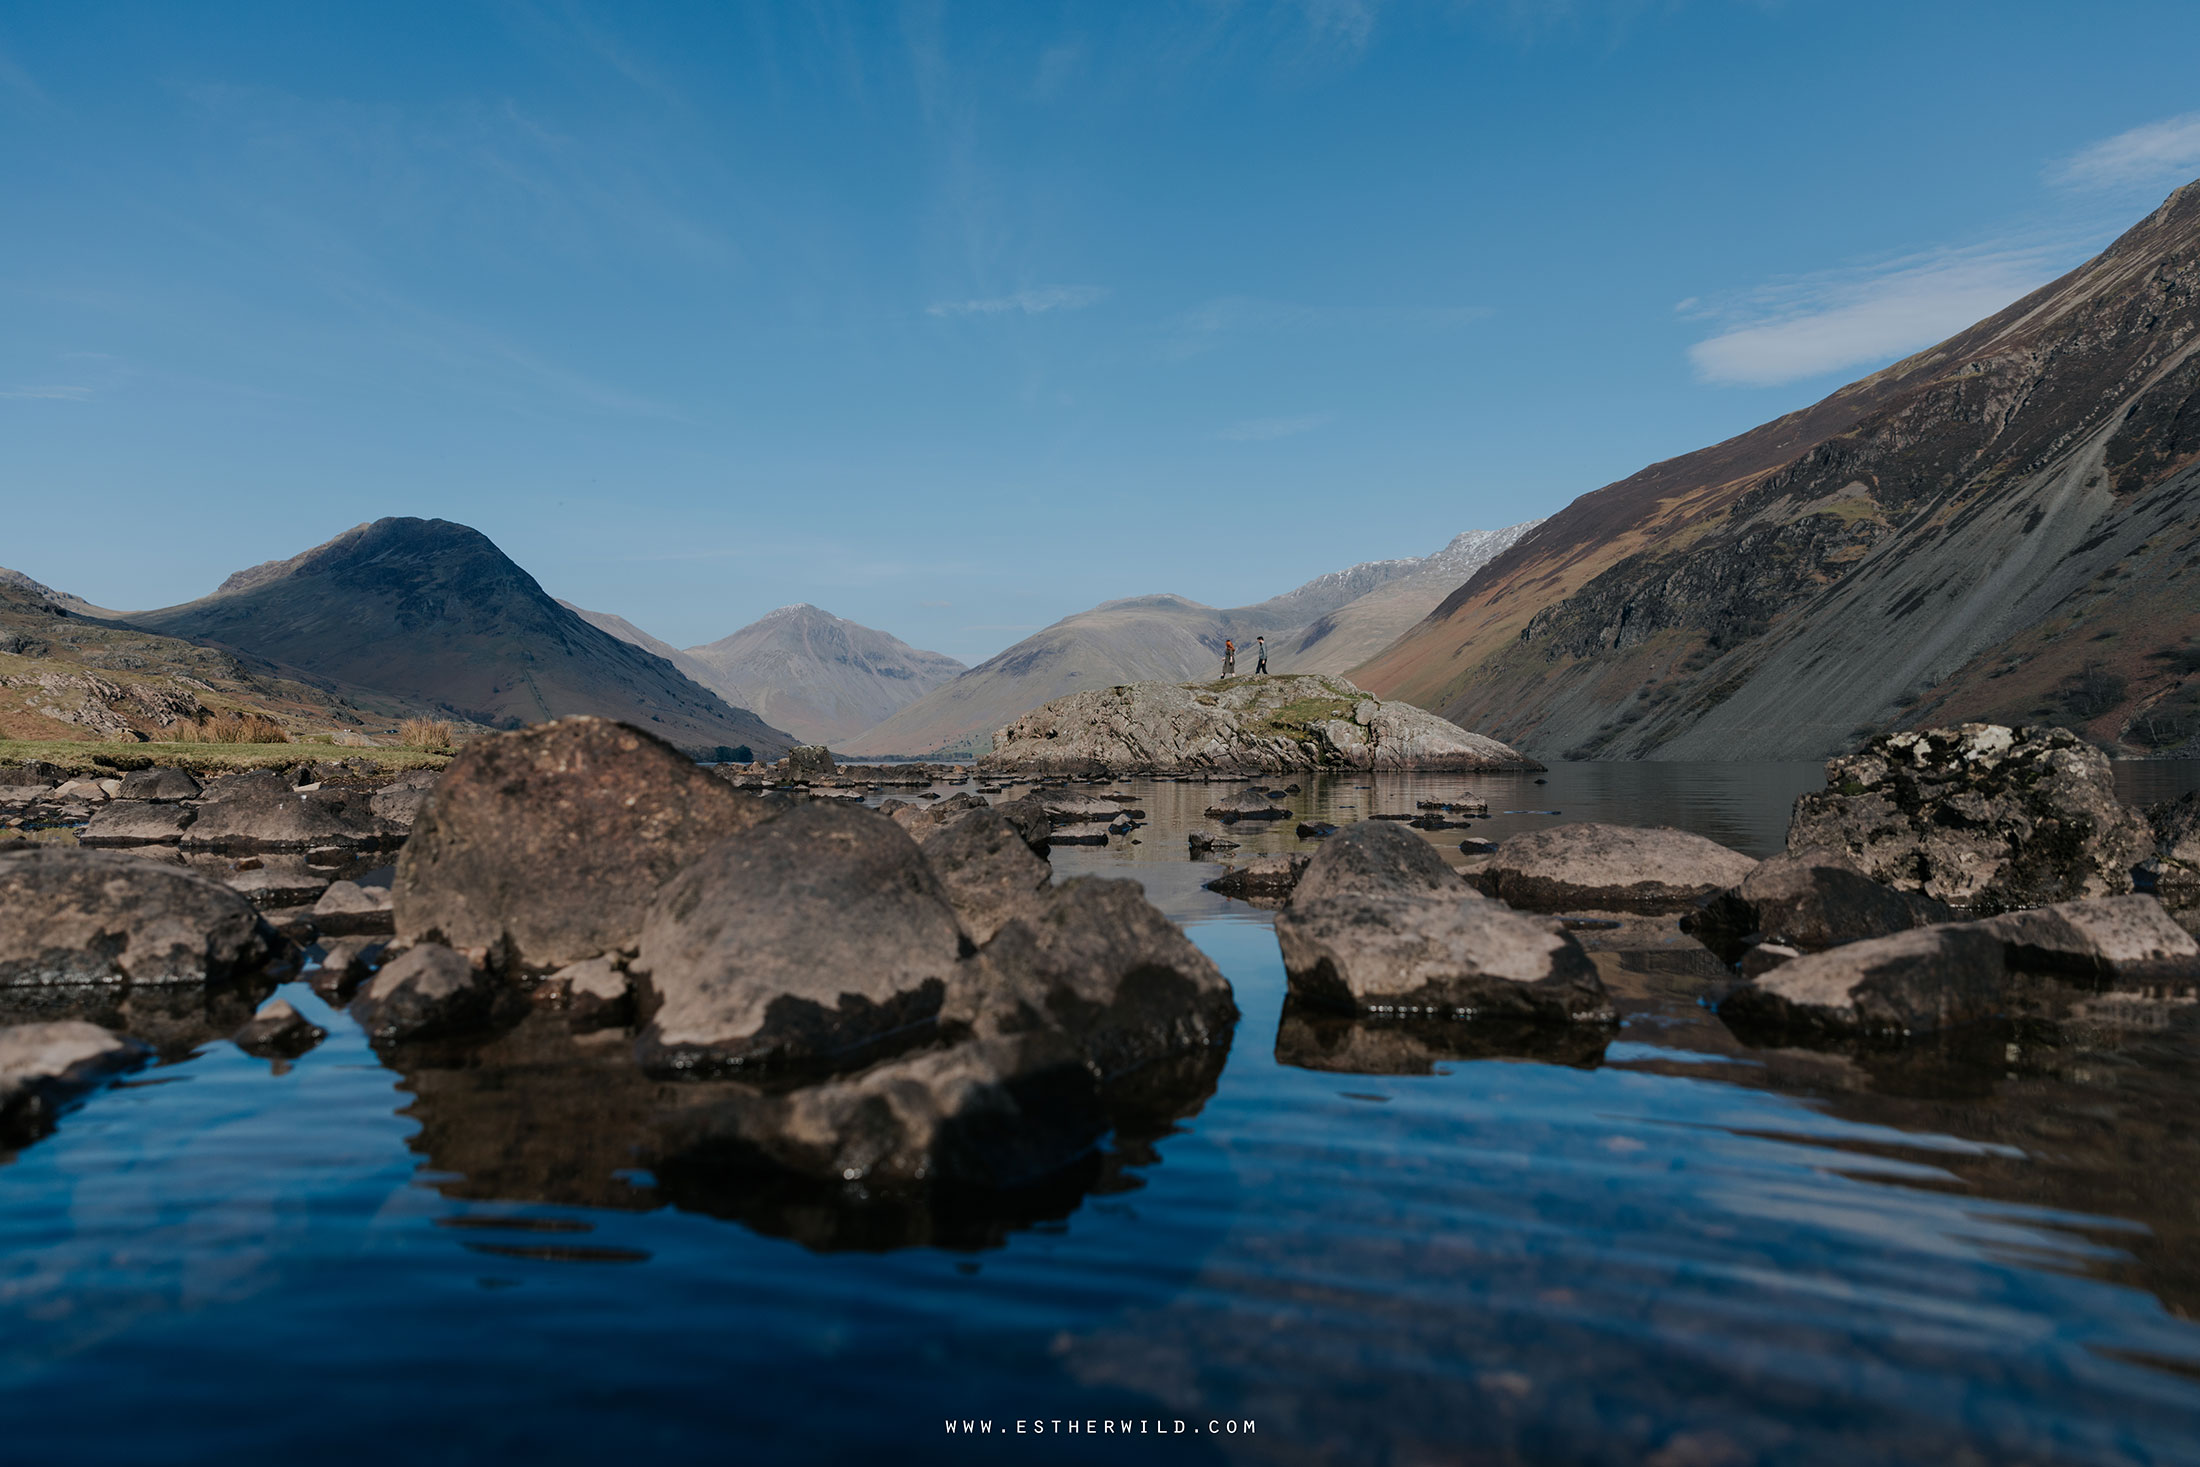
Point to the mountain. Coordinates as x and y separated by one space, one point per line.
818 675
432 611
72 676
821 677
2000 527
1323 626
24 586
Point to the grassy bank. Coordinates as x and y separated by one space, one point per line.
106 759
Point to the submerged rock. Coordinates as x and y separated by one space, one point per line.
1263 876
278 1031
1587 864
71 916
1270 723
1887 987
808 940
1247 805
546 846
42 1066
1808 901
1979 816
996 1113
1380 925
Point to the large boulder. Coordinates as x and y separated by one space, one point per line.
997 1114
546 846
1100 965
73 916
262 811
138 823
427 992
1380 925
1980 816
809 941
2119 938
1272 723
1888 987
1808 901
811 761
160 784
42 1066
398 803
1584 864
987 872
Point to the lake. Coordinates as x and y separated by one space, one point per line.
1340 1242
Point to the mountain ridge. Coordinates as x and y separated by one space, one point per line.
1761 597
434 612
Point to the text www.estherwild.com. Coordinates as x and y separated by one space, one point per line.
1103 1427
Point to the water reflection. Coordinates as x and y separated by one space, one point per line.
542 1115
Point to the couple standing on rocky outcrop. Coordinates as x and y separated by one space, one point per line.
1229 656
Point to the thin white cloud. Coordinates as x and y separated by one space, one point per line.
2156 153
50 394
1852 318
1033 302
1260 430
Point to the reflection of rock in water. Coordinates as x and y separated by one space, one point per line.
539 1114
1315 1039
173 1019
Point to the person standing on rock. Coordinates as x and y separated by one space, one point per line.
1260 649
1229 657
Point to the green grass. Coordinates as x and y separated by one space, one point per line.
79 757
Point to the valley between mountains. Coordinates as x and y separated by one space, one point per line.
2000 528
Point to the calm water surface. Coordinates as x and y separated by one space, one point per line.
1377 1244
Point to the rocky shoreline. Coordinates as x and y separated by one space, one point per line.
786 984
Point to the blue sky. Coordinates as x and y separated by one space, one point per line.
958 318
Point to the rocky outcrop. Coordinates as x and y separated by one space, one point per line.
160 784
1980 817
1379 925
71 916
1625 867
1806 902
546 846
1888 987
809 941
1275 723
138 823
43 1066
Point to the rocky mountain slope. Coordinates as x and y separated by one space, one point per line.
65 675
431 611
1324 626
1999 528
